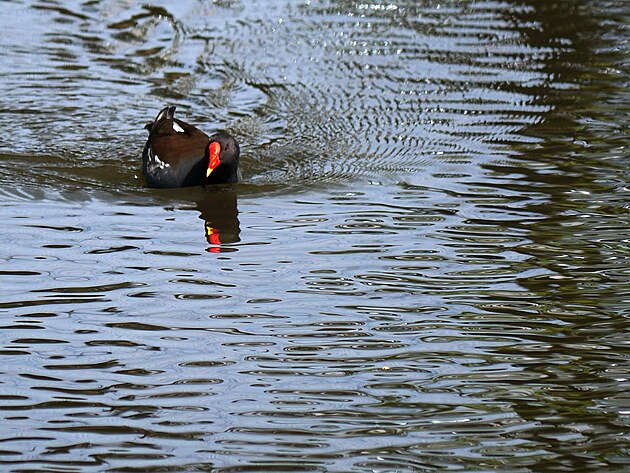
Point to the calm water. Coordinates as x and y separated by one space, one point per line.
426 268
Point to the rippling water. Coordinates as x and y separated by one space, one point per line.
426 268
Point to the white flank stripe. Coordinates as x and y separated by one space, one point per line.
161 164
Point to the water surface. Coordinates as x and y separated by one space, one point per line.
425 268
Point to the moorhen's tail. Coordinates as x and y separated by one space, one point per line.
167 113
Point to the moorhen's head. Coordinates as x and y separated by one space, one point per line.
223 155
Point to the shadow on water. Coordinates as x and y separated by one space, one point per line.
219 211
217 208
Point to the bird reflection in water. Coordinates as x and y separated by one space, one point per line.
219 210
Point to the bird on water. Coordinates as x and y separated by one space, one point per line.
178 154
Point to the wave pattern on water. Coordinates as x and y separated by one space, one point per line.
350 91
426 269
438 339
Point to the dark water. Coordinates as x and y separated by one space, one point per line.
426 268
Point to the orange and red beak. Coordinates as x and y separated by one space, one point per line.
215 151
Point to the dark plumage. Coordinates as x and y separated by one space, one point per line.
179 155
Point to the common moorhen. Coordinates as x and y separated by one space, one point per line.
179 155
